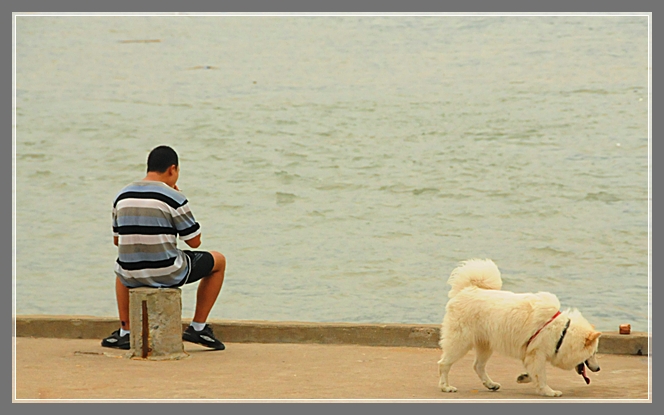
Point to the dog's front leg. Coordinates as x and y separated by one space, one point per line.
536 366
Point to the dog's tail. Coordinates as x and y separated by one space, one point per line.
481 273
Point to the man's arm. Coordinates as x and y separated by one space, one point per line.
194 242
115 240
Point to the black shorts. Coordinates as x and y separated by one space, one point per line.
200 266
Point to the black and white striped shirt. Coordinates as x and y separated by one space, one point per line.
148 216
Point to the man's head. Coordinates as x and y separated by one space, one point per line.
161 158
163 165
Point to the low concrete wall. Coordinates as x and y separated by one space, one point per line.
396 335
245 331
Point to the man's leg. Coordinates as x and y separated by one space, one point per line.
122 296
120 338
209 288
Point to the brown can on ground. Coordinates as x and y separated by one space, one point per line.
625 329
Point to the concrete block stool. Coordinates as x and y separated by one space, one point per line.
155 318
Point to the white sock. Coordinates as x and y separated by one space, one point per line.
197 326
123 332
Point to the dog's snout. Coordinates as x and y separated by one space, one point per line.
593 367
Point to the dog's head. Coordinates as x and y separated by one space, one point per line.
591 362
578 347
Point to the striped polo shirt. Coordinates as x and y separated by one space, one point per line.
148 216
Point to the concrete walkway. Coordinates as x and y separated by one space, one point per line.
80 369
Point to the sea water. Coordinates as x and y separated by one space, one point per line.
344 165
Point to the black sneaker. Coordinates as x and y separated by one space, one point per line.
204 337
117 341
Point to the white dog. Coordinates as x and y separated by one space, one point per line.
529 327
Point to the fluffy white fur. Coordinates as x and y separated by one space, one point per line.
480 316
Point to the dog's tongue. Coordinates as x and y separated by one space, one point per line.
581 369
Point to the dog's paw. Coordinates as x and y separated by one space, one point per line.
524 378
551 393
492 386
447 388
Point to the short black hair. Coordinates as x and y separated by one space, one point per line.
161 158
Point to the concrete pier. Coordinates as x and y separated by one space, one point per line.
155 318
60 358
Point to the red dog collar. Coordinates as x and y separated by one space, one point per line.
542 328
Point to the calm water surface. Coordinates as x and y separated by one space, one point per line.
344 165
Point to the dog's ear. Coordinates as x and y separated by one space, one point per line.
592 337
